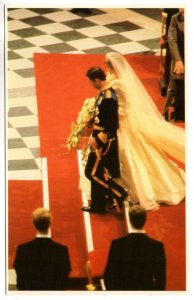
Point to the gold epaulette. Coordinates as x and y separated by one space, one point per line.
96 127
108 94
103 137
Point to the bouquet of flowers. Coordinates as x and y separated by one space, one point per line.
82 120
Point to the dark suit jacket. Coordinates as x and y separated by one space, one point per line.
176 41
42 264
135 263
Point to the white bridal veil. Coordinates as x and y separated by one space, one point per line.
143 116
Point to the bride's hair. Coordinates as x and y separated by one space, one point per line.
109 64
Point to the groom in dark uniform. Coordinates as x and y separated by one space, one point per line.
103 161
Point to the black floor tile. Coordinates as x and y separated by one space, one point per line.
153 13
22 164
28 32
79 23
112 39
69 36
43 11
25 73
123 26
152 43
19 44
99 50
16 143
87 12
36 21
13 55
19 111
35 152
28 131
61 47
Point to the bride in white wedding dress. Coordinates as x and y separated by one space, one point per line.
146 141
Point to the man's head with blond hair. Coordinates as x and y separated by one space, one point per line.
41 218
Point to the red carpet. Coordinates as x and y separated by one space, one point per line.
23 197
61 88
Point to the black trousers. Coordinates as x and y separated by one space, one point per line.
102 189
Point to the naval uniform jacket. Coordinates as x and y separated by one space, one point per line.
105 128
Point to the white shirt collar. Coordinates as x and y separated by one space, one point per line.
134 230
39 235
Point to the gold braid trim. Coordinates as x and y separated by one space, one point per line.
95 177
108 94
98 127
108 147
98 153
101 182
116 192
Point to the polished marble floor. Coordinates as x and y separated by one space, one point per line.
51 30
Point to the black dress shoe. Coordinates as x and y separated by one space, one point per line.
86 208
91 210
119 200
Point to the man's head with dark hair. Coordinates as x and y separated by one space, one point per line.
41 218
137 216
96 73
97 77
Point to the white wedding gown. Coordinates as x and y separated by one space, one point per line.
150 176
147 143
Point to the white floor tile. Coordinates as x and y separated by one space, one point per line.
18 64
84 44
122 13
104 19
12 133
12 37
28 52
24 121
127 48
30 102
96 31
25 175
32 141
140 34
16 81
22 13
53 28
76 52
16 24
19 153
11 276
43 40
62 16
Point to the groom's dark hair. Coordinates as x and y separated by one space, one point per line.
96 73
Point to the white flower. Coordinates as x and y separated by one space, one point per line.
84 116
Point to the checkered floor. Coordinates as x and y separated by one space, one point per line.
49 30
